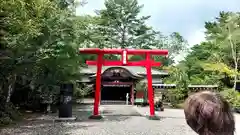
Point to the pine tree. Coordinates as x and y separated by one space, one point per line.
123 26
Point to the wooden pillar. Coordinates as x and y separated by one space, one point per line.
100 94
132 94
98 85
150 88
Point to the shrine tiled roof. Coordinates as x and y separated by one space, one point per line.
202 86
135 70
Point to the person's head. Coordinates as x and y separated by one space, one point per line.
207 113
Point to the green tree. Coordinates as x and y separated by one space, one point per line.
174 43
122 27
39 45
213 61
224 33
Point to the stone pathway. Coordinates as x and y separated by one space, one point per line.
118 120
179 114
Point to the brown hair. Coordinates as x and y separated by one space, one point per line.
207 113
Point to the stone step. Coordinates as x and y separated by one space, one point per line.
111 102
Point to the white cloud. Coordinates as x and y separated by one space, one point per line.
90 7
184 16
196 37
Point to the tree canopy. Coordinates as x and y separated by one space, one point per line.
213 61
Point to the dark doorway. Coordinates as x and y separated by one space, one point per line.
115 93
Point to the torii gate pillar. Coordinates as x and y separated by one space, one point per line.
150 88
148 63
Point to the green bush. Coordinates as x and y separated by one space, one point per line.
5 121
178 106
81 91
12 112
8 114
232 96
174 96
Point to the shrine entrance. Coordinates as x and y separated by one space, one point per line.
115 93
118 84
148 63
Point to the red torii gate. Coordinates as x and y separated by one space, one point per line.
148 63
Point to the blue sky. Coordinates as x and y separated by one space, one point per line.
184 16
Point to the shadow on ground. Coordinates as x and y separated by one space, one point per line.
83 112
46 124
44 127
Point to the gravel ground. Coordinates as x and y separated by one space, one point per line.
118 120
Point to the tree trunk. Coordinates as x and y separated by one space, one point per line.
234 56
123 37
235 78
236 74
11 85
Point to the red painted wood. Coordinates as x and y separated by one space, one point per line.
97 50
98 86
146 51
119 51
132 94
140 94
130 63
150 89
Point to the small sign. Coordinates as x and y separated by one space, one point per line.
66 99
124 59
139 100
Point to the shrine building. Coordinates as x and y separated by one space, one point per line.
117 81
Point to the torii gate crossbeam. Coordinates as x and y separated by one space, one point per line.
148 63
